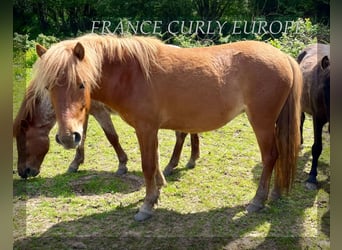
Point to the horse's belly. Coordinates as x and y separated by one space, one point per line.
198 100
196 117
194 125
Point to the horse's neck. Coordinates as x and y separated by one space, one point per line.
111 86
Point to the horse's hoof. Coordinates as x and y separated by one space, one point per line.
72 170
274 196
122 170
311 186
190 165
167 171
252 208
142 216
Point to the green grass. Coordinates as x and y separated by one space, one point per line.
201 208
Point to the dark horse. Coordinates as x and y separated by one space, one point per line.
33 123
153 86
315 65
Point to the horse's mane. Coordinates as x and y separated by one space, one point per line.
27 108
97 48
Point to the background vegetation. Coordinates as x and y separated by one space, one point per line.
65 18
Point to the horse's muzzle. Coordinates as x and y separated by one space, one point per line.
27 172
69 141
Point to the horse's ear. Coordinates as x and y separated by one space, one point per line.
79 51
301 56
40 50
325 62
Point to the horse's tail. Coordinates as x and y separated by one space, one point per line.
288 132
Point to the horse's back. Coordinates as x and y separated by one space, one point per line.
220 82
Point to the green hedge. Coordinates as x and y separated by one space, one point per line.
297 37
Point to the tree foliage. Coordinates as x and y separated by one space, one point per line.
69 18
299 36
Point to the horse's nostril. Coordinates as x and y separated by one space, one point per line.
70 140
27 171
77 137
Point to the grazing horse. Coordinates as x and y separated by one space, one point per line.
33 123
315 65
153 86
31 129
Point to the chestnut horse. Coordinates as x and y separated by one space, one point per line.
153 86
315 65
33 123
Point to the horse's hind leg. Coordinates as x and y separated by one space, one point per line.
79 157
269 154
316 150
195 152
180 137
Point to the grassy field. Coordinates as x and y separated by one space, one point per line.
201 208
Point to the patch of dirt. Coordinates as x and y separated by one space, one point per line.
131 182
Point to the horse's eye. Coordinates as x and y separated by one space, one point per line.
82 85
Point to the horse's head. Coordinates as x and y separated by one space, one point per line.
69 93
32 146
31 129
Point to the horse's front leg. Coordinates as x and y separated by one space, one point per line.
79 157
154 179
302 120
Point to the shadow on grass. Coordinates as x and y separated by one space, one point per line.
223 228
301 199
282 222
279 226
84 182
80 183
178 173
323 169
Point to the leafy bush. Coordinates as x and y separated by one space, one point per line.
30 57
300 35
22 44
190 41
46 41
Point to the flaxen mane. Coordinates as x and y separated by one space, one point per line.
27 107
59 58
